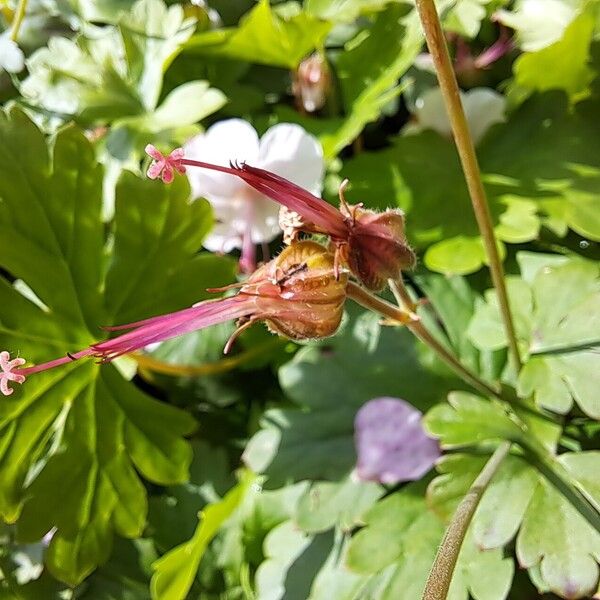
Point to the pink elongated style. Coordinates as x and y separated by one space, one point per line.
373 245
296 294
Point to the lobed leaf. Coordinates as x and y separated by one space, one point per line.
74 439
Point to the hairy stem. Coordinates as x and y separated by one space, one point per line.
18 20
440 576
368 300
466 150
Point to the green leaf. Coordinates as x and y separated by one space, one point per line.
292 442
450 307
463 16
539 168
402 536
90 79
293 559
557 321
343 11
501 509
175 571
264 37
369 72
126 576
468 419
185 105
563 65
457 256
103 11
325 504
519 501
568 551
74 439
152 35
481 574
172 515
403 520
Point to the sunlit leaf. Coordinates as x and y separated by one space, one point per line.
175 571
264 37
558 325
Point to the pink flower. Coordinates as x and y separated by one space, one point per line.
8 372
164 165
297 294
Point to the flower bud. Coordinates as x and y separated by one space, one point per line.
298 294
312 83
377 249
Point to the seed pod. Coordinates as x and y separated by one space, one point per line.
297 293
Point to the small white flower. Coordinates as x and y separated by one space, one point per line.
244 217
483 108
12 58
539 23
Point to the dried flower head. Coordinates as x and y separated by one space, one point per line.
377 249
373 245
297 294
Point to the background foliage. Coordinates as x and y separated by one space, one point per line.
117 461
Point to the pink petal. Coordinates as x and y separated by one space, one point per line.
154 153
154 170
167 174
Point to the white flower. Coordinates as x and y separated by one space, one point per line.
483 108
12 59
539 23
244 217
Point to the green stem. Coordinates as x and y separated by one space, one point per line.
554 472
466 151
374 303
440 576
18 20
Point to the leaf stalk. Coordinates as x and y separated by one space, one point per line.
406 317
18 20
468 158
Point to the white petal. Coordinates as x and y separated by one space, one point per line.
222 239
226 141
538 23
265 220
483 107
431 112
12 58
286 149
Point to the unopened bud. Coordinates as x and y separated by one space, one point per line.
312 83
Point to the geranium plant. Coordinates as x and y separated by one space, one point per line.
299 300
